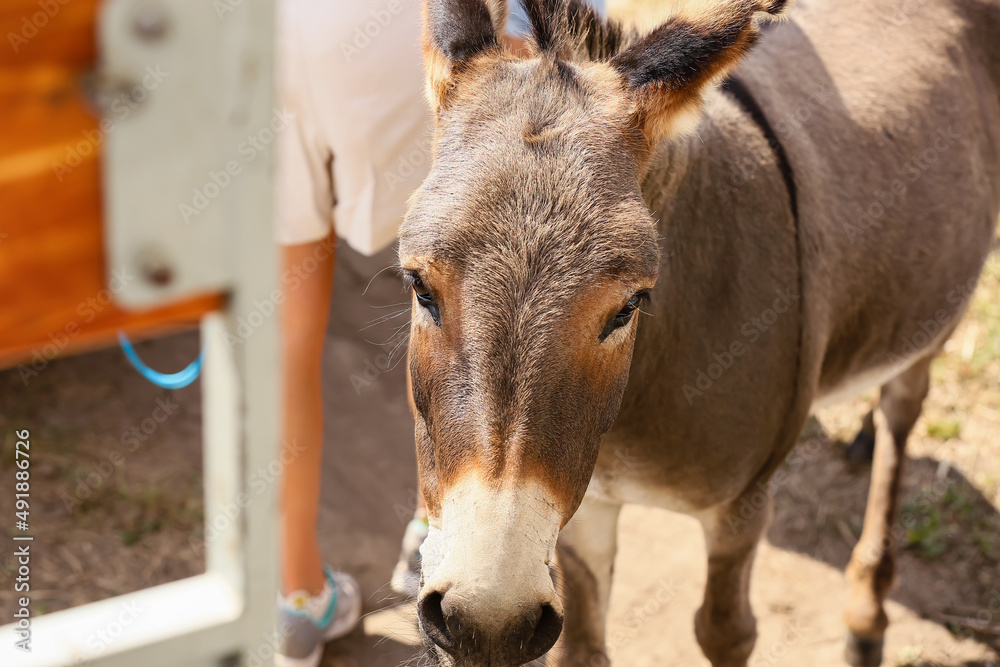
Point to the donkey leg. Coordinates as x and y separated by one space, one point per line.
725 625
585 555
862 450
872 565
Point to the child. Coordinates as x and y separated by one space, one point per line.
351 72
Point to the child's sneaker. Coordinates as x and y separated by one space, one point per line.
406 575
307 622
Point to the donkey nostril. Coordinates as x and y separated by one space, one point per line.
454 624
432 620
520 639
545 634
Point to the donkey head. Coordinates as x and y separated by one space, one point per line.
529 251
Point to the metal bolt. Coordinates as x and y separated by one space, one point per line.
155 268
150 23
160 276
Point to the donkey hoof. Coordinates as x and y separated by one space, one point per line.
862 450
863 651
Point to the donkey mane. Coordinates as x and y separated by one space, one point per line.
670 68
574 30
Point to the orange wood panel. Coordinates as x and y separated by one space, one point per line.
54 294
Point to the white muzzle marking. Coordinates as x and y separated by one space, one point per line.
493 547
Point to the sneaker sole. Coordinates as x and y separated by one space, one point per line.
336 631
311 660
333 632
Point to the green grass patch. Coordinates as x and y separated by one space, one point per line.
944 430
926 533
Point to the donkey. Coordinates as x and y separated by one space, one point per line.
805 232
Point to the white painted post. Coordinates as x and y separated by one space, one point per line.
227 615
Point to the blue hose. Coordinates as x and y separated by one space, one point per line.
165 380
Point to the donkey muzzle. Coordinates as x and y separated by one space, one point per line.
509 638
488 598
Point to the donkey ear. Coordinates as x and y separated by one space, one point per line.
455 32
669 70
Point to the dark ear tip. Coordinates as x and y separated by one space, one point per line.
463 47
461 28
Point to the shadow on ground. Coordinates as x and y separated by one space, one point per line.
949 566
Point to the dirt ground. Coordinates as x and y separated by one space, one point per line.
116 465
106 528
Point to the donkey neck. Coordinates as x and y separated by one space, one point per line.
729 246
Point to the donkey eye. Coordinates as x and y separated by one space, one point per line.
424 296
624 316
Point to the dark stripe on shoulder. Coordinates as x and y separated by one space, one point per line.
739 92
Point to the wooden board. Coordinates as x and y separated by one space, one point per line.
54 291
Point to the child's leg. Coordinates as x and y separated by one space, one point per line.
304 319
